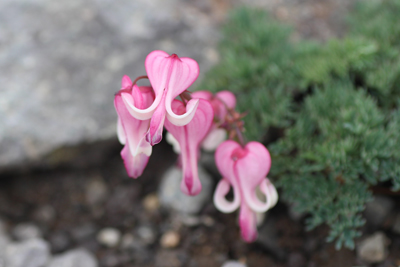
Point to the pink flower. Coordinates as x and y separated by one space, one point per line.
131 131
169 77
221 102
189 138
244 169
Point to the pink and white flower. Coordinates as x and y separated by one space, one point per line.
169 76
221 103
131 131
245 169
189 138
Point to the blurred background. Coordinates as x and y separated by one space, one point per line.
65 199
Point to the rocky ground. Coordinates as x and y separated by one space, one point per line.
94 215
65 199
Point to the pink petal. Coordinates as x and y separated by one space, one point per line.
251 171
120 132
134 165
170 72
172 75
224 162
132 131
126 82
220 201
189 138
248 223
207 95
154 135
227 97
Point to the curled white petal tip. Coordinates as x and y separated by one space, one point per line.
271 195
220 201
140 114
181 120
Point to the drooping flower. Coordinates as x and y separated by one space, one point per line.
189 138
221 102
131 131
244 169
169 76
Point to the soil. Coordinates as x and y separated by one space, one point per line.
74 221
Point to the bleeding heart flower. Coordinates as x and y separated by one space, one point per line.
189 138
221 102
169 76
244 169
131 131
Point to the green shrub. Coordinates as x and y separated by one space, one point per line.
328 112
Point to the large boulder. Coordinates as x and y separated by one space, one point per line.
62 61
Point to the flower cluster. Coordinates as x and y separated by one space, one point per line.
198 120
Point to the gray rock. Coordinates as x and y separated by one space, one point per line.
4 241
373 249
74 258
59 75
233 264
109 237
24 231
28 253
378 209
170 194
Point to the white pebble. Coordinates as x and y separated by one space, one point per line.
109 237
170 239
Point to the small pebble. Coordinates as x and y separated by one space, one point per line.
170 239
233 264
25 231
151 202
146 234
109 237
373 248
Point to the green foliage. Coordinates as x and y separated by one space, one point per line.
336 106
